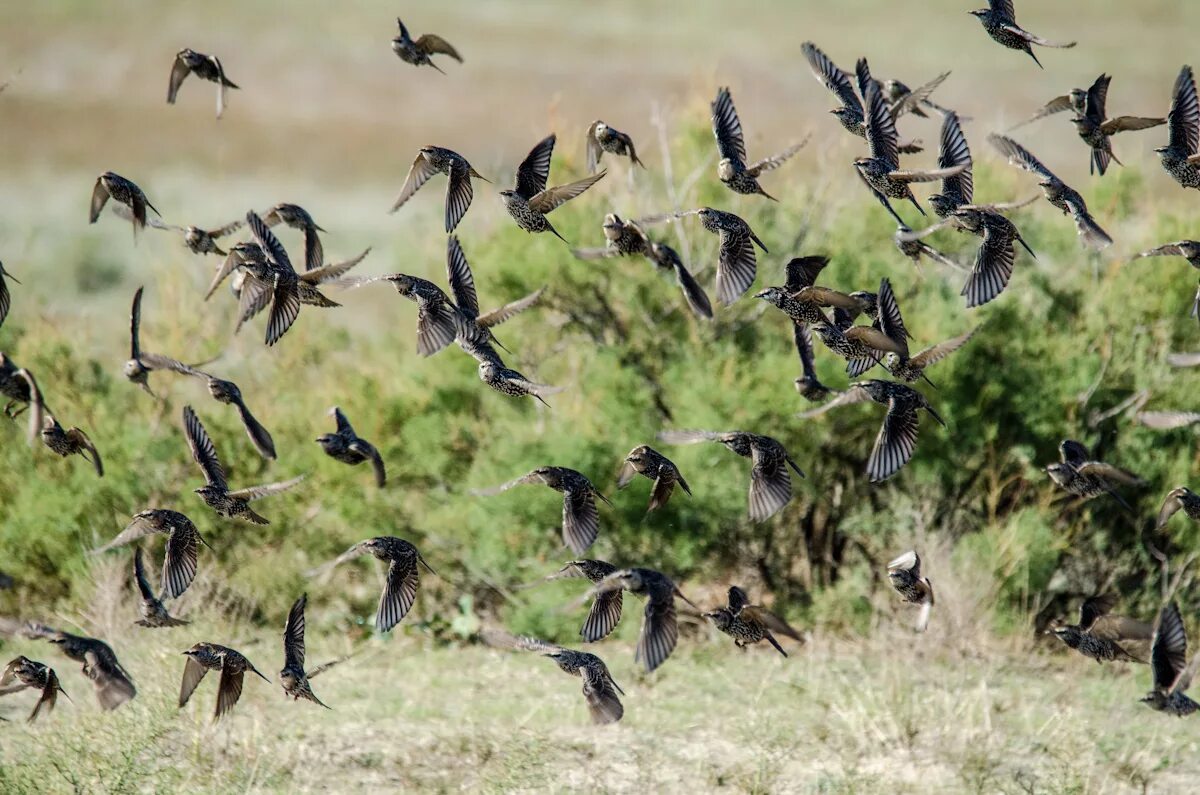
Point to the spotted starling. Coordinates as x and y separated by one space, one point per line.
1181 156
255 294
1096 128
580 519
13 386
112 685
1168 662
197 240
140 363
274 281
345 445
1179 499
601 138
154 613
599 688
801 272
736 263
911 369
900 95
1189 250
215 492
959 188
646 461
1104 637
622 239
459 192
1057 192
439 321
1000 22
110 185
1074 100
403 576
23 673
297 217
905 575
205 657
748 624
915 249
183 546
731 143
531 201
503 379
808 384
206 67
1079 475
667 259
605 611
770 483
865 346
417 52
63 442
659 631
462 285
292 677
5 298
228 392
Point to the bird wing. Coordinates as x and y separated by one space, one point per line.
890 321
1109 472
293 635
49 696
268 242
462 283
908 561
1073 452
1093 608
418 174
776 160
728 128
179 72
1165 250
693 293
333 270
581 520
953 151
1056 105
825 296
737 267
498 316
255 296
367 449
135 322
1085 225
532 477
875 339
221 83
459 193
600 691
1020 157
659 632
804 348
112 685
917 96
139 527
179 565
1168 655
881 127
258 492
1167 420
99 198
1097 99
603 616
431 43
285 308
1130 124
1121 628
203 451
1183 122
831 76
935 353
994 261
436 328
314 252
535 169
770 486
594 151
894 445
853 395
139 576
1183 359
229 690
803 272
398 595
193 672
551 198
81 439
691 436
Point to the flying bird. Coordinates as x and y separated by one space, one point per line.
417 52
1077 473
659 631
24 673
737 266
1104 637
1096 128
1168 662
154 613
500 377
403 577
345 445
1189 250
905 575
1179 499
293 677
1181 156
807 384
601 138
605 611
462 285
953 152
206 67
459 192
205 657
5 298
111 683
297 217
273 281
999 20
600 691
114 186
1074 100
195 239
748 624
531 201
43 424
140 363
439 321
580 518
183 546
14 387
913 368
915 249
649 463
733 169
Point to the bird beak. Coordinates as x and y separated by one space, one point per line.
761 294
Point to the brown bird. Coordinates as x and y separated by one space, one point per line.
646 461
748 624
112 685
599 688
732 169
737 266
297 217
905 575
999 20
183 546
400 588
141 364
439 321
1104 637
23 673
292 677
580 518
462 285
531 201
659 631
417 52
5 298
345 445
459 192
601 138
154 613
770 483
1078 474
114 186
1179 499
197 240
43 424
605 611
503 379
206 67
14 387
205 657
1181 156
1096 129
1189 250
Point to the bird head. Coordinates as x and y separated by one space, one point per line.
706 212
600 127
941 205
981 12
773 295
1160 150
326 440
862 161
613 221
507 194
843 113
205 491
721 618
553 655
725 169
193 651
1059 473
134 371
874 388
1155 699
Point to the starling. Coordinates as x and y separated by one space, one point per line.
770 483
1189 250
666 258
154 613
1000 21
5 298
1057 192
531 201
438 160
1074 100
957 189
205 657
622 239
292 677
580 519
1079 475
850 114
462 285
344 445
63 442
601 138
228 392
648 462
254 294
659 631
183 546
1181 156
599 688
13 386
1104 637
605 611
1096 129
737 266
1168 661
808 384
197 240
905 575
400 590
297 217
900 96
23 673
439 321
503 379
864 346
911 369
1179 499
417 52
731 143
801 273
915 249
881 171
215 492
110 681
140 364
124 192
748 624
206 67
273 281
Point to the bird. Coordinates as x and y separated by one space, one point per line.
646 461
1189 250
297 217
659 631
292 677
111 683
183 545
900 95
23 673
206 67
748 624
600 691
807 384
601 138
13 386
605 611
154 613
114 186
417 52
1096 128
770 484
580 518
462 286
915 249
273 280
64 442
1103 637
215 492
1168 663
913 368
796 298
1074 100
904 573
732 169
195 239
400 588
345 445
500 377
439 321
1180 498
229 393
531 201
5 297
864 346
140 363
953 152
668 260
1181 156
204 657
432 160
999 20
1078 474
881 171
737 266
1057 192
1166 420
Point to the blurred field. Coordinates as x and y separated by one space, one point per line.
329 118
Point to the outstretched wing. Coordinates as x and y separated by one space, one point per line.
203 451
728 128
534 170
